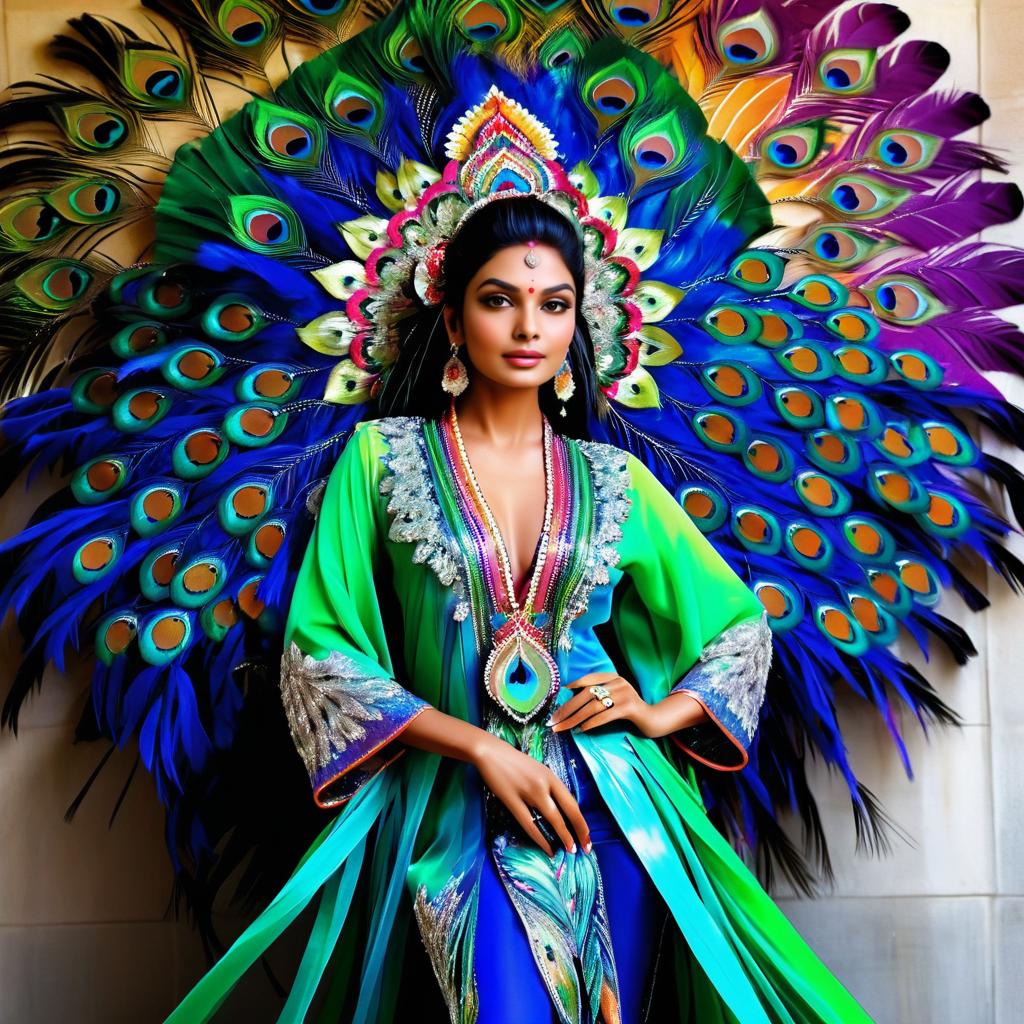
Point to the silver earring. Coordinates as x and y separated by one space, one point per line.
565 386
454 378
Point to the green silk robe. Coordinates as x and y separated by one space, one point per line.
384 623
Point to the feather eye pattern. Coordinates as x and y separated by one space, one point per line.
792 211
562 905
833 370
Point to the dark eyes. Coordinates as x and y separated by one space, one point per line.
497 301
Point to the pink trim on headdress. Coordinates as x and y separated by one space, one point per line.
353 308
504 152
631 269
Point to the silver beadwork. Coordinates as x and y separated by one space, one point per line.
735 666
610 473
438 922
417 515
327 701
418 518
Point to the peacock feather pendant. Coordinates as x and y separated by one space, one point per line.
520 674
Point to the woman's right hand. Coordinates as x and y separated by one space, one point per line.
526 786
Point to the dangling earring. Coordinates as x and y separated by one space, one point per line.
454 378
565 386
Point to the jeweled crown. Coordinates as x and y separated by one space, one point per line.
496 150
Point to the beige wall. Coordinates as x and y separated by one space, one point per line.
933 933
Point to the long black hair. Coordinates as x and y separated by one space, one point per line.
413 385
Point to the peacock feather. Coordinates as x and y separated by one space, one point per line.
561 904
191 223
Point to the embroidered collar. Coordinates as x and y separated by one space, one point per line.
413 501
609 471
418 517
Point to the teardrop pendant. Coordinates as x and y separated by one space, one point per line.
520 675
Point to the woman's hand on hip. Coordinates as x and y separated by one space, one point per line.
529 788
586 710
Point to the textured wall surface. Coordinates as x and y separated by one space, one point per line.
934 932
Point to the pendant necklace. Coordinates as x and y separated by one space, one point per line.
520 674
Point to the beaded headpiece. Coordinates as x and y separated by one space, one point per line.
496 150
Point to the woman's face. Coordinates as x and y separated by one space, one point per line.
511 308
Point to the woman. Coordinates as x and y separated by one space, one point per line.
539 823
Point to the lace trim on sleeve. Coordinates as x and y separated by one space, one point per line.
340 719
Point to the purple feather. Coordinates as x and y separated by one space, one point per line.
909 69
960 208
944 112
899 75
976 276
941 114
864 27
791 20
965 343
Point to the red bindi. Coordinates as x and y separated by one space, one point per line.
531 291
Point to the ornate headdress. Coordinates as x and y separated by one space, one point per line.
497 150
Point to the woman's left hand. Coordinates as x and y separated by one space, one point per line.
583 709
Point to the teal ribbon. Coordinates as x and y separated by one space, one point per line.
406 818
335 902
322 863
612 761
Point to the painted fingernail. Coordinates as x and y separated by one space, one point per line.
587 847
572 849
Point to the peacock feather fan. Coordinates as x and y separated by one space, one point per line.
794 218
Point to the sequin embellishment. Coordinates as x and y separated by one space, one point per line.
730 675
417 517
611 477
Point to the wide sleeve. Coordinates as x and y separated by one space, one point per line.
345 709
685 622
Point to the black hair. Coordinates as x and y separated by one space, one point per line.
413 385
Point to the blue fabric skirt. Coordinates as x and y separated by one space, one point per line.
509 986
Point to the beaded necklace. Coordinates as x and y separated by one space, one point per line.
520 675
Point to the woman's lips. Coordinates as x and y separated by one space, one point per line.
523 359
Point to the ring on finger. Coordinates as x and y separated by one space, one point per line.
544 827
602 693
